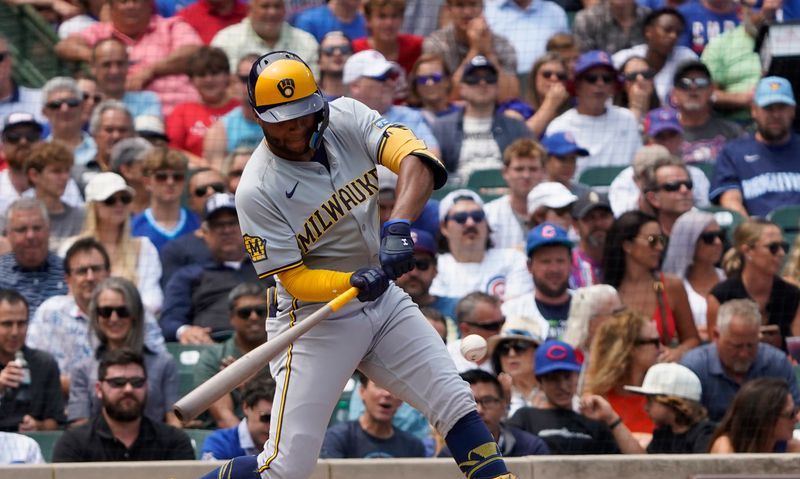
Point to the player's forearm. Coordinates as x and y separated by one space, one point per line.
414 187
314 285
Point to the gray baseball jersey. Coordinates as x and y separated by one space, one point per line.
294 213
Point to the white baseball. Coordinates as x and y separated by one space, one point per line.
473 347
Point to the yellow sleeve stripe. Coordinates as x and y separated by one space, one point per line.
314 285
398 142
280 269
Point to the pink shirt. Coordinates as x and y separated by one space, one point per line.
162 37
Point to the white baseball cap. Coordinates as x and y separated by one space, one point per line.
367 63
448 201
103 185
551 194
670 379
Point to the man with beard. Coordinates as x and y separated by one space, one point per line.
757 173
121 432
591 219
549 263
736 356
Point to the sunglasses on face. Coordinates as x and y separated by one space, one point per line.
342 50
56 104
776 246
489 77
494 326
84 270
96 98
243 78
390 74
265 417
163 176
549 74
487 402
461 217
633 76
655 240
245 312
433 78
709 237
14 137
235 173
519 347
687 83
674 186
647 341
422 264
136 382
201 191
112 200
606 78
106 311
3 56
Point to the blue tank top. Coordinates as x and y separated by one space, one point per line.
240 131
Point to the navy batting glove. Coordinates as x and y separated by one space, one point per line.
371 283
397 248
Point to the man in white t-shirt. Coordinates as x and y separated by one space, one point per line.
470 263
610 133
476 313
523 168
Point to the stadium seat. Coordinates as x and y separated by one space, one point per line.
198 437
46 440
727 219
706 168
187 356
599 176
788 219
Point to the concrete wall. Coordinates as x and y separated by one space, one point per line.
548 467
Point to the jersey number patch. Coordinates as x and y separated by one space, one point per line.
256 247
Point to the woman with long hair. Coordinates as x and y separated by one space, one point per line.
638 92
622 351
512 353
631 260
430 86
761 418
752 266
590 307
108 219
547 92
117 320
695 248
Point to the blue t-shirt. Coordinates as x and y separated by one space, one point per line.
768 176
702 25
144 224
348 440
320 20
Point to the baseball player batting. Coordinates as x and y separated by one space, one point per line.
307 204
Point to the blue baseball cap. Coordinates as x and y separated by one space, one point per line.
772 90
423 242
563 144
591 59
428 220
555 355
547 234
660 120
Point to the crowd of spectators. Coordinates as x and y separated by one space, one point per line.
625 318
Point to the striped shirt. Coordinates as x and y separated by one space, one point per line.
19 449
36 285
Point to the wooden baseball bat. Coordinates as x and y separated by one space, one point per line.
225 381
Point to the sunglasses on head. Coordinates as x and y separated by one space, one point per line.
245 312
163 176
633 76
125 199
674 186
493 326
777 246
489 77
342 49
645 341
461 218
656 240
265 417
14 137
136 382
519 347
549 74
606 78
709 237
687 83
433 78
106 311
201 190
96 98
56 104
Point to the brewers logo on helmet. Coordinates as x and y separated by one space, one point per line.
281 87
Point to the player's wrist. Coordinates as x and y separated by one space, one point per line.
396 226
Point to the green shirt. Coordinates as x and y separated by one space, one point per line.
733 64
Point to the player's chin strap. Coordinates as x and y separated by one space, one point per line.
316 138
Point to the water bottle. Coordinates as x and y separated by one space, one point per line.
24 389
